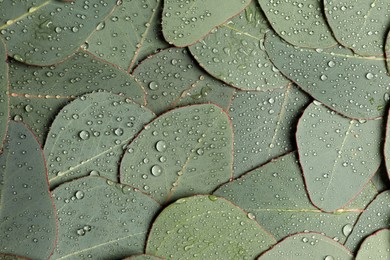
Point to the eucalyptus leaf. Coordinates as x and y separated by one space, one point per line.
387 52
186 22
12 257
27 214
376 246
183 152
381 179
352 85
264 123
234 52
338 155
38 93
387 146
307 245
143 257
299 23
4 100
274 195
100 219
44 32
130 33
359 25
206 227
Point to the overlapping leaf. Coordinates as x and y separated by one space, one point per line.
143 257
100 219
387 147
234 52
27 215
387 52
206 227
376 246
4 101
381 179
12 257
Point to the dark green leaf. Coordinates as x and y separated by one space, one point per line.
381 179
376 246
4 100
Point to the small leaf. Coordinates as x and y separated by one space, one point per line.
235 54
183 152
143 257
88 136
100 219
206 227
302 24
307 245
4 100
275 196
376 246
27 217
338 155
45 32
172 78
186 22
359 25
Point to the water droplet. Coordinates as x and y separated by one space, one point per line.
80 232
331 64
369 76
79 194
94 173
213 197
251 216
118 131
161 146
100 26
84 135
156 170
28 108
324 77
153 85
200 151
328 257
347 229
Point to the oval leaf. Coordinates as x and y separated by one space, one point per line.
183 152
100 219
206 227
234 53
27 215
88 136
376 246
4 100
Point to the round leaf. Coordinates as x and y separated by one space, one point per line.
376 246
4 100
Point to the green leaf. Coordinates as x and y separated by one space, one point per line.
376 246
143 257
234 52
307 245
338 155
206 227
183 152
302 24
387 146
130 33
186 22
27 217
12 257
352 85
375 217
100 219
359 25
387 52
264 123
275 196
4 100
89 135
381 179
38 93
171 78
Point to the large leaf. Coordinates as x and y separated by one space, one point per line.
359 25
4 100
351 85
375 217
27 215
307 245
338 155
89 135
183 152
100 219
300 23
376 246
171 78
44 32
206 227
129 33
38 93
275 196
186 22
234 52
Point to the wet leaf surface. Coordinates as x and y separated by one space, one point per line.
143 257
376 246
4 100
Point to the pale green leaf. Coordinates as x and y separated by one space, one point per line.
4 100
376 246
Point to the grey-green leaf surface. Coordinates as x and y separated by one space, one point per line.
27 214
299 23
143 257
186 22
4 100
359 25
376 246
264 123
206 227
381 179
352 85
234 52
183 152
100 219
375 217
307 245
171 78
338 155
44 32
387 146
89 135
130 33
266 193
387 52
12 257
38 93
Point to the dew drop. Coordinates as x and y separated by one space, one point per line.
156 170
79 194
153 85
369 76
118 131
161 146
84 135
347 229
100 26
